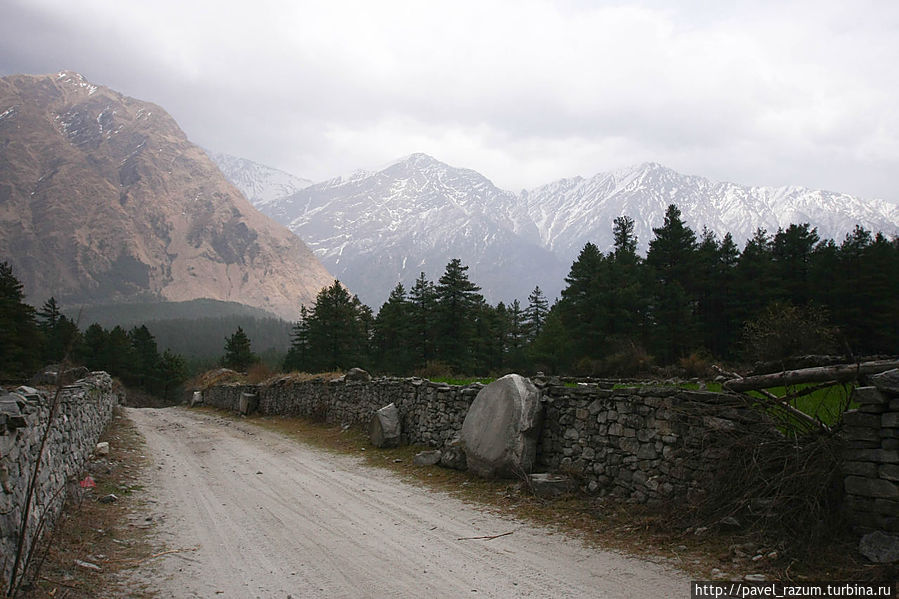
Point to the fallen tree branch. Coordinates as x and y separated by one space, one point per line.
487 537
783 402
841 374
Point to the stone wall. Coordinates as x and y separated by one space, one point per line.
84 410
645 444
872 458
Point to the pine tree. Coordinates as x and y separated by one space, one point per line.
19 336
422 311
535 313
238 352
672 258
339 329
297 357
458 302
392 334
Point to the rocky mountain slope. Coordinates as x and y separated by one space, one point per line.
373 229
103 199
259 183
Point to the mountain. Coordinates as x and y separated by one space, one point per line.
259 183
104 200
568 213
375 229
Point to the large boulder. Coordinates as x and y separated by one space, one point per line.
500 431
384 429
356 375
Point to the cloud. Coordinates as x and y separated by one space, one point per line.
525 92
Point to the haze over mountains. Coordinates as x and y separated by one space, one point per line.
374 229
103 199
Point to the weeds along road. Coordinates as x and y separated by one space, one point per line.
255 514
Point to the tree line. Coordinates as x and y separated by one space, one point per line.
34 338
692 295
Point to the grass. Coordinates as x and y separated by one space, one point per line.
602 523
100 533
826 404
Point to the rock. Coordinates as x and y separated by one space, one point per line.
871 487
356 375
545 484
729 523
11 408
384 429
500 431
453 455
755 578
111 498
880 547
102 448
427 458
248 403
88 565
196 398
56 374
888 381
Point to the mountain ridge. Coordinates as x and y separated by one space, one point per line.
104 199
453 206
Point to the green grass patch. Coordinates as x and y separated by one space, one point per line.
827 404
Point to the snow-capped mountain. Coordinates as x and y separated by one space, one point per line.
259 183
375 229
568 213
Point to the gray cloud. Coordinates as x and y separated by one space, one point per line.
762 93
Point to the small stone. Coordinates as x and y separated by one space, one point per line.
111 498
427 458
88 565
700 531
755 578
729 523
102 448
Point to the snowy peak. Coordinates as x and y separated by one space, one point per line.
375 229
259 183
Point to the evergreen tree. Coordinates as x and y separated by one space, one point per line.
172 372
19 336
422 328
517 337
297 357
672 258
755 281
535 313
392 335
238 352
339 328
791 251
458 303
94 350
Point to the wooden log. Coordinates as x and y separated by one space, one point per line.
841 373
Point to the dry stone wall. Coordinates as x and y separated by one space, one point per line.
872 457
85 408
645 444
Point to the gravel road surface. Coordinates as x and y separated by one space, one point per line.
249 513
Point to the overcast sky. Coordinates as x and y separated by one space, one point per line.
759 93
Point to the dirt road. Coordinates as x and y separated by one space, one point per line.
258 515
